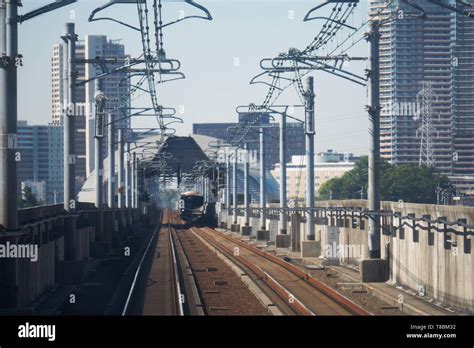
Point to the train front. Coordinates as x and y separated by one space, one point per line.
191 206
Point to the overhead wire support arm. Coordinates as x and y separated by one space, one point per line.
342 22
207 16
327 2
45 9
109 4
254 81
270 109
128 66
311 63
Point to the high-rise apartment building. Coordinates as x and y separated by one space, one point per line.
59 101
463 96
437 50
116 88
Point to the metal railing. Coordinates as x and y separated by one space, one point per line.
353 216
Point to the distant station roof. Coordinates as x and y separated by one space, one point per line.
184 152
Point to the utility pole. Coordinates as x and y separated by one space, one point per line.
234 186
121 169
283 239
10 60
133 180
8 114
374 146
246 186
100 101
283 160
69 122
263 189
227 180
137 166
127 176
203 186
111 156
310 131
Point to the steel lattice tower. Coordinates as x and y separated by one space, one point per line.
425 100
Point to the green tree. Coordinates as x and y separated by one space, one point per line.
409 183
350 185
28 199
412 183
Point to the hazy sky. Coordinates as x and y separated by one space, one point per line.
241 31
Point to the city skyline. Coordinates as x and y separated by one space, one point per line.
205 69
329 172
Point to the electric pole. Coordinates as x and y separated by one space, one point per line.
374 145
69 121
8 114
310 131
111 161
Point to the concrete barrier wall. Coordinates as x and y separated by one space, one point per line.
422 256
24 280
35 277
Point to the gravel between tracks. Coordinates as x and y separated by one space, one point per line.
221 290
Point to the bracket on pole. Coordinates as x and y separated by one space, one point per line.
45 9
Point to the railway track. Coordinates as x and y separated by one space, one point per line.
300 292
170 288
221 290
186 277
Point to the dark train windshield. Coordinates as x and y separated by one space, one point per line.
194 201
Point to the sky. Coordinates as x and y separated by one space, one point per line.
219 58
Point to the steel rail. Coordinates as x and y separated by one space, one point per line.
139 268
346 303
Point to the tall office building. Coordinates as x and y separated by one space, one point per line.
294 134
41 160
414 52
116 87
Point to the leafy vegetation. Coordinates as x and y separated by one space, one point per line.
410 183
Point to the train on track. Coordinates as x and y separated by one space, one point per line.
192 207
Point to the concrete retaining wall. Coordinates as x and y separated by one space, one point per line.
425 257
22 280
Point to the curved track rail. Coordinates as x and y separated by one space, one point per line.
302 293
